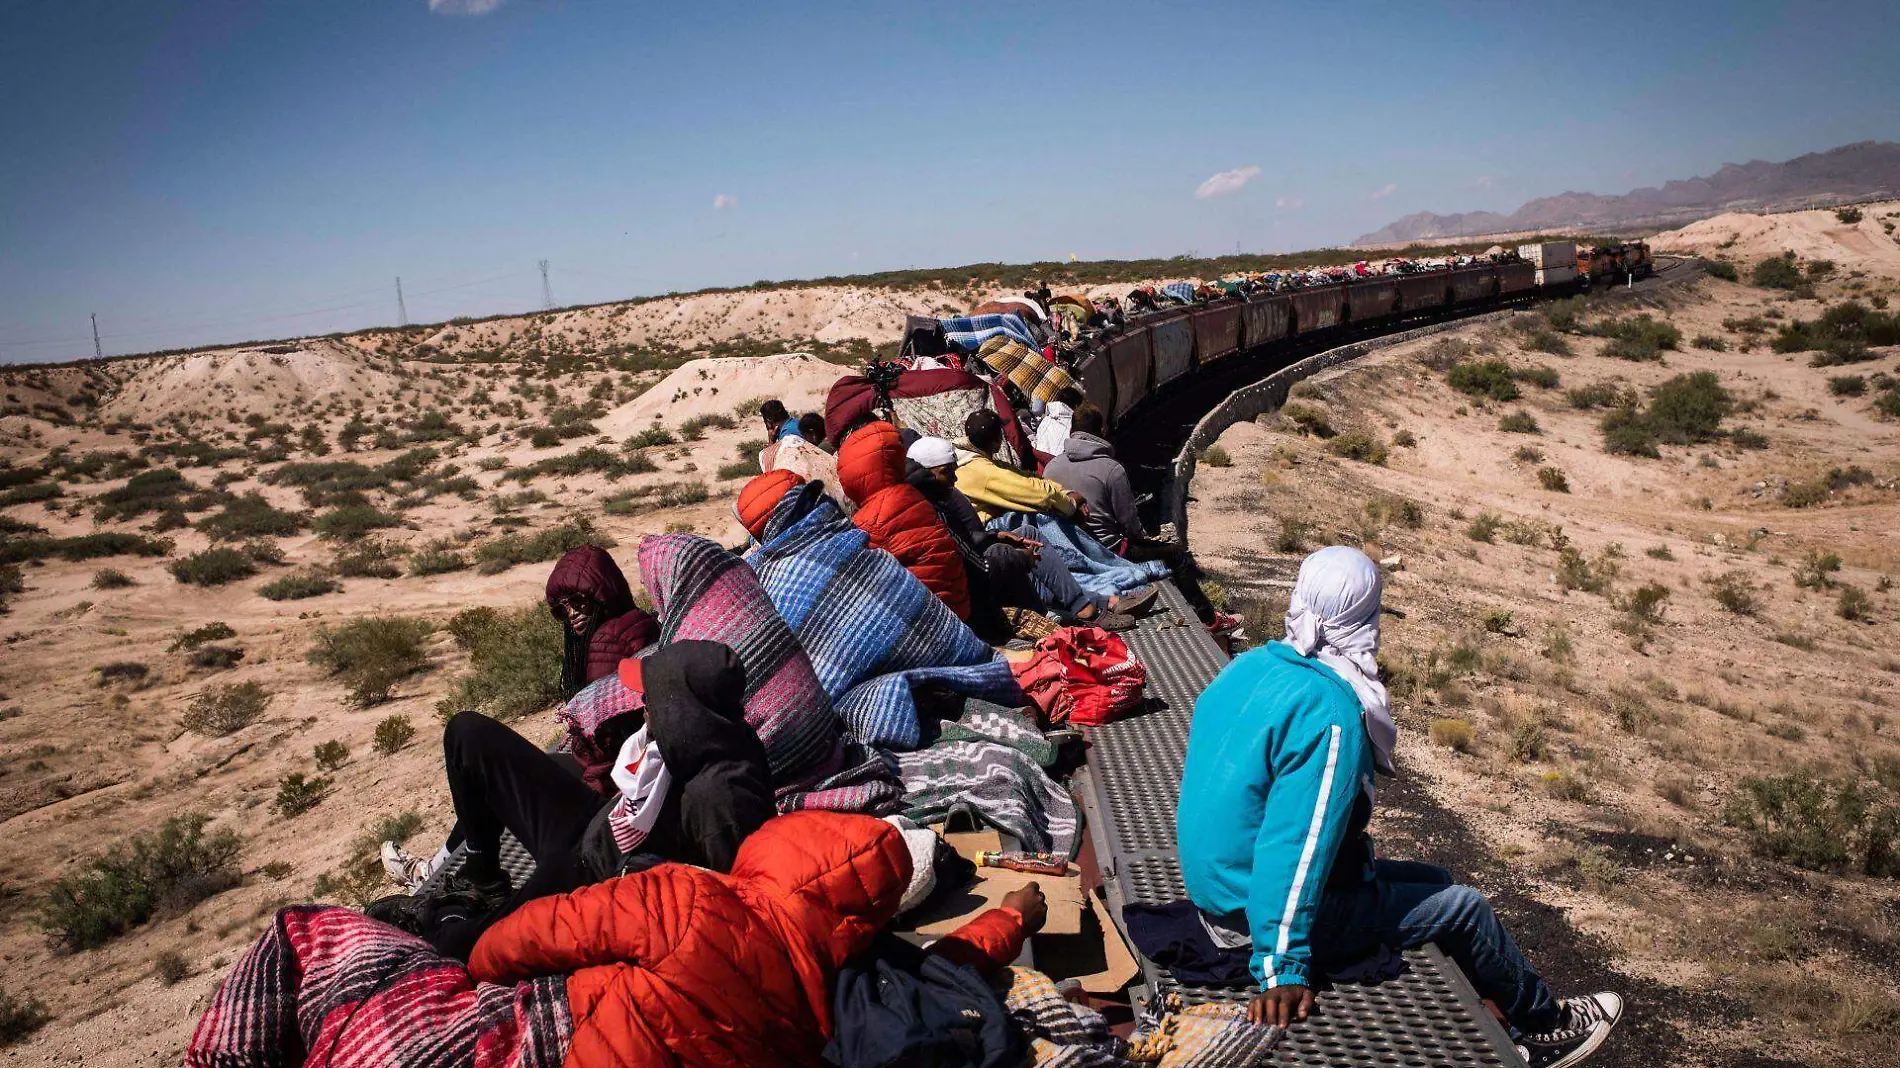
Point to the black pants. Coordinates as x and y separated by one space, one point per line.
501 781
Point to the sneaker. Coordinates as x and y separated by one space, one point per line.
1111 620
401 911
465 883
404 870
1587 1022
1137 602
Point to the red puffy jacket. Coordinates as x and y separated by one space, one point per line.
680 965
899 519
624 629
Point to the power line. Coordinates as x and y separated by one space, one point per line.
402 310
547 288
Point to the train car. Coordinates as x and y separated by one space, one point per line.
1217 331
1130 364
1515 278
1418 292
1317 308
1171 339
1373 298
1472 284
1265 318
1097 380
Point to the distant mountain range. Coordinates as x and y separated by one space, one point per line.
1867 169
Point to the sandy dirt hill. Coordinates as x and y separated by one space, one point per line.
253 380
1867 245
716 385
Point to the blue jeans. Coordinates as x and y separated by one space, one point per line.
1407 904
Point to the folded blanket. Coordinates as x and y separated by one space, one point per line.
330 986
999 783
1026 368
985 722
1095 567
1063 1034
873 632
969 332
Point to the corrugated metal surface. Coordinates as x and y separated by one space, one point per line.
1128 356
1098 381
1473 283
1550 253
1556 276
1514 278
1217 331
1173 342
1263 319
1369 300
1423 290
1317 309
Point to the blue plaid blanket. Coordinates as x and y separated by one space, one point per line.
873 632
1095 567
969 332
1181 291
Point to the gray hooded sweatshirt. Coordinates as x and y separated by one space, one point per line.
1088 467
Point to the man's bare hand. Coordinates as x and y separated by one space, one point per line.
1281 1006
1029 901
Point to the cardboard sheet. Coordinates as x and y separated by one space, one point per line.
1064 893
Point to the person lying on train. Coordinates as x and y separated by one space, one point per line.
1275 797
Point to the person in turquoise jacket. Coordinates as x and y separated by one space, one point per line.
1275 798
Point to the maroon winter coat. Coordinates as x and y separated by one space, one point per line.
624 629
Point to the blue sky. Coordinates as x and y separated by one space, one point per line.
206 170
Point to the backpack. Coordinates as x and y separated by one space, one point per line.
896 1005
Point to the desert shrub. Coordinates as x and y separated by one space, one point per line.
1307 418
1642 331
439 557
1690 408
1547 341
1847 385
746 468
1520 422
1709 342
169 968
20 1018
1455 734
1484 527
128 671
1391 509
223 710
1291 535
368 558
1645 602
392 734
351 522
297 794
505 552
1483 378
210 632
1216 456
250 516
578 462
372 655
1599 395
1816 570
158 490
1842 334
1629 433
171 871
31 494
1854 606
650 437
1575 572
1775 272
213 567
1634 349
1496 620
1735 592
1816 823
1743 438
1553 479
331 755
1848 215
1359 445
111 578
298 585
1630 711
514 661
1659 552
1566 784
263 552
1819 269
695 428
1538 375
16 549
1803 494
12 581
1404 439
1722 269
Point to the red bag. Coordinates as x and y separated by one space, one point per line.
1083 676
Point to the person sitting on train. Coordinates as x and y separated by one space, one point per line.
1086 466
1275 797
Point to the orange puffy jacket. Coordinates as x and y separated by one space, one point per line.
897 517
678 965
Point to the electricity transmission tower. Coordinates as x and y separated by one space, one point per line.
97 352
402 309
547 290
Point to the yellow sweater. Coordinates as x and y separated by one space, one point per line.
994 489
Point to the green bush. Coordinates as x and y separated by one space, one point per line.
111 578
1483 378
502 553
368 558
1538 375
1847 385
1842 334
129 671
1215 456
31 494
1849 216
14 549
650 437
1743 438
210 632
1642 331
1520 422
1689 408
213 567
20 1018
1359 445
297 795
222 710
1484 528
1710 342
579 462
1735 592
746 468
298 585
331 755
1776 272
158 490
514 661
1722 269
170 871
392 734
1816 570
1307 419
1600 395
1855 606
1816 823
1390 509
1629 433
351 522
250 516
1553 479
372 655
1547 341
695 428
215 657
439 557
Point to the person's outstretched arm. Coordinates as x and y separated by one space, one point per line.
996 937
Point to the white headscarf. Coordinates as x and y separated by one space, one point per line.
1334 618
1053 432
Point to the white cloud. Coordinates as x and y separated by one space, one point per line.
724 201
463 7
1384 191
1289 203
1226 182
1485 181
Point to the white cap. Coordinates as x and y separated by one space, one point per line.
932 452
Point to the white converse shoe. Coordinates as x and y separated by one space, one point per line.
404 870
1587 1022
